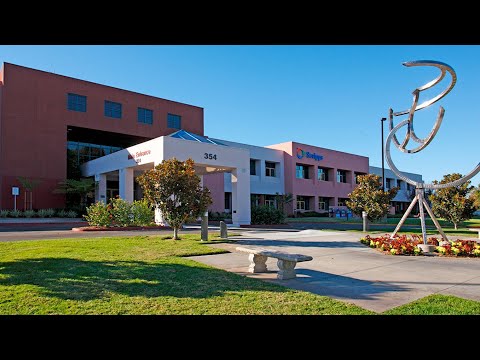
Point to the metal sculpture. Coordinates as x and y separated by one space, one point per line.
410 135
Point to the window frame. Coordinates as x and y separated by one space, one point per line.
341 174
269 170
73 99
112 109
142 116
178 117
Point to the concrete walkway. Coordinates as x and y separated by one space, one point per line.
345 269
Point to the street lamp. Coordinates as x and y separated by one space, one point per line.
383 157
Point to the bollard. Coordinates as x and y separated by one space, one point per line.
204 232
365 221
223 230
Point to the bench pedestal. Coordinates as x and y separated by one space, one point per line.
287 269
257 263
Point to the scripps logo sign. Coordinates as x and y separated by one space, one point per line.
302 153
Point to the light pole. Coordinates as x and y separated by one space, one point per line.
383 157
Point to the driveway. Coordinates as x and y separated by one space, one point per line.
344 269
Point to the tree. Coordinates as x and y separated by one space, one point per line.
475 196
369 197
29 185
82 189
174 188
282 200
452 203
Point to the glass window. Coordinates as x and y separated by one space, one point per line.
323 203
76 102
341 176
269 169
322 174
253 165
174 121
302 172
388 183
255 199
400 184
86 152
145 116
270 201
302 203
113 109
342 201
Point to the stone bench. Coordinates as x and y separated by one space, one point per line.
475 229
286 262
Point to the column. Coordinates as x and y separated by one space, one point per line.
101 188
241 211
125 177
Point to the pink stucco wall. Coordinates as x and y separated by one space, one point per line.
215 183
331 159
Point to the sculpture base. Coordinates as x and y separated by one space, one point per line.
426 249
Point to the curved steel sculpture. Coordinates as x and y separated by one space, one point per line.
410 135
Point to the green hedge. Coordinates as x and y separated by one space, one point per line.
265 215
119 212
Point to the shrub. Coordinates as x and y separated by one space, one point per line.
218 216
16 213
45 213
142 214
265 215
71 214
62 213
98 214
29 213
121 211
4 213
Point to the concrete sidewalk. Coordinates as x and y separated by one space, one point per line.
344 269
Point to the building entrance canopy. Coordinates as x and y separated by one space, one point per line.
209 156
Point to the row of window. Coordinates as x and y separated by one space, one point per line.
113 109
302 172
390 183
305 202
302 202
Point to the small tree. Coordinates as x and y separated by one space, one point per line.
83 188
452 203
369 197
475 196
174 188
28 186
282 200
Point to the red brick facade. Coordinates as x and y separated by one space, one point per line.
34 119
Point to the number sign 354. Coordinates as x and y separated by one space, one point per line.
210 156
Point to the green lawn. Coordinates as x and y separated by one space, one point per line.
438 305
138 275
149 275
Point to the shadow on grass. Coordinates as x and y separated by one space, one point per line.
72 279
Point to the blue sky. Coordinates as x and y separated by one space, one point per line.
331 96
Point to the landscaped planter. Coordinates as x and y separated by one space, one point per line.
407 245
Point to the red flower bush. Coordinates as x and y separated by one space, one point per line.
407 245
